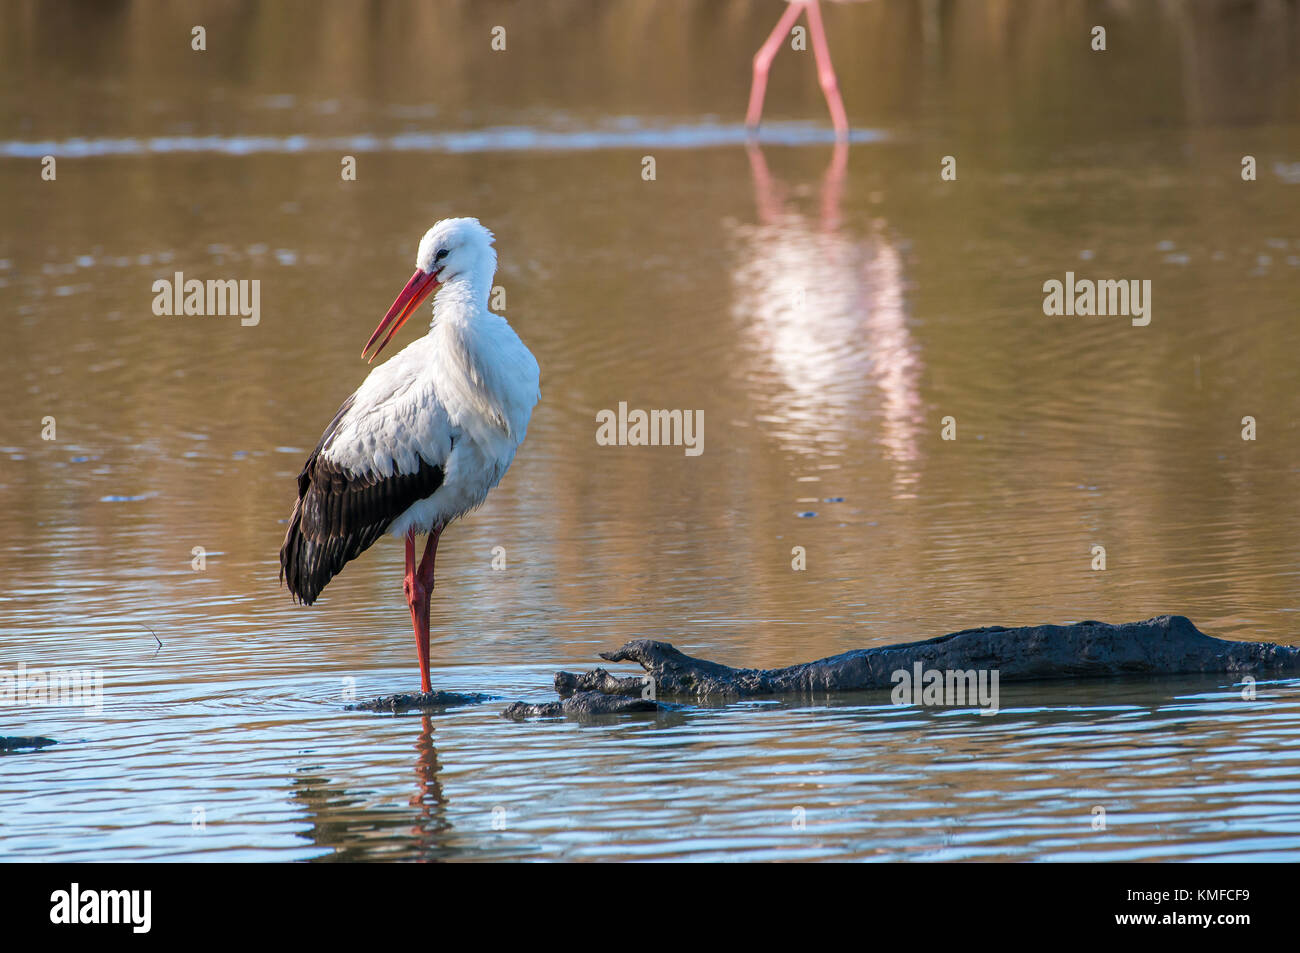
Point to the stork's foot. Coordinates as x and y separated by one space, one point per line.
422 701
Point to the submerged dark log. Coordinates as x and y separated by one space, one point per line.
599 680
14 744
582 703
421 701
1166 645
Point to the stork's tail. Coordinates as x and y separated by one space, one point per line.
295 553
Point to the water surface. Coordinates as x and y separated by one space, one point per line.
825 308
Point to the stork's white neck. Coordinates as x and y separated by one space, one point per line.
465 296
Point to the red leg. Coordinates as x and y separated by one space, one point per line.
763 61
430 553
826 71
424 578
417 597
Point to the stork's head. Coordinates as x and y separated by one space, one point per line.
454 250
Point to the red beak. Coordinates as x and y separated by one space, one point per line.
416 290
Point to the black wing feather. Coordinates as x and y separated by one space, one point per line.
340 513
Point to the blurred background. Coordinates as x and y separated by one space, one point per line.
824 307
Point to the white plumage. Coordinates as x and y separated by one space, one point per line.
428 433
460 398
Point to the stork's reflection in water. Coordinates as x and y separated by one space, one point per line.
345 816
428 797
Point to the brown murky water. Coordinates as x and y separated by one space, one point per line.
824 308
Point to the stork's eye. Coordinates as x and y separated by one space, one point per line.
442 253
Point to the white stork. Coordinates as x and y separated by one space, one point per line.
426 435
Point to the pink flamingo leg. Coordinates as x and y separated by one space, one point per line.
825 71
763 61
